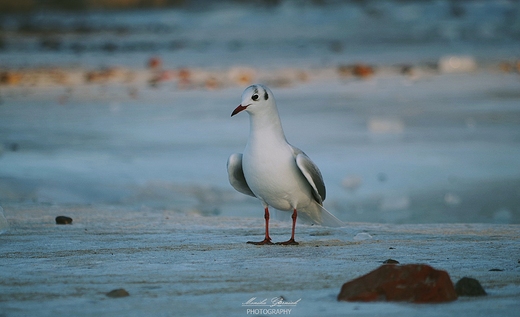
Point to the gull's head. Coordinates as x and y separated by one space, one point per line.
255 99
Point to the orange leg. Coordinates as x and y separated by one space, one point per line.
267 239
291 241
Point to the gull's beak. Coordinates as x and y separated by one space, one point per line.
238 109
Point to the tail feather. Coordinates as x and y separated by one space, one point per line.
329 219
316 214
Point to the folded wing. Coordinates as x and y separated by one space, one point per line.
312 174
236 174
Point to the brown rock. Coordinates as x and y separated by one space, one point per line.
416 283
154 62
505 67
185 78
10 78
358 70
362 71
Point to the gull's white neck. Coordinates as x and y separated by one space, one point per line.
266 128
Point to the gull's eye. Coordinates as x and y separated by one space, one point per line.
255 97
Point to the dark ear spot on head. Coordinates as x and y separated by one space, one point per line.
266 95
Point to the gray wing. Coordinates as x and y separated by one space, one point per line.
236 174
312 174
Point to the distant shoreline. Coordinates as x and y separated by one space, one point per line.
217 78
29 6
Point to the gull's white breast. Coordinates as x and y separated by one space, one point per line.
272 174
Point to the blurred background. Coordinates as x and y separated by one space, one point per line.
411 109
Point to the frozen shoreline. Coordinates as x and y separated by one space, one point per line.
435 148
178 264
420 158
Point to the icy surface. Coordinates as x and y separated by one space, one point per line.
437 144
421 160
440 148
3 222
182 265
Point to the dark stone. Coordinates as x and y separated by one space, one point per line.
495 270
468 286
406 69
109 47
336 46
63 220
51 44
390 261
416 283
117 293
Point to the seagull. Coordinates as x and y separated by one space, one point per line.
278 174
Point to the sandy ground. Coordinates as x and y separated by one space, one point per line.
183 265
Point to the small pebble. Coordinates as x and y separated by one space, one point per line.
406 70
390 261
63 220
14 147
117 293
362 71
468 286
362 236
495 270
